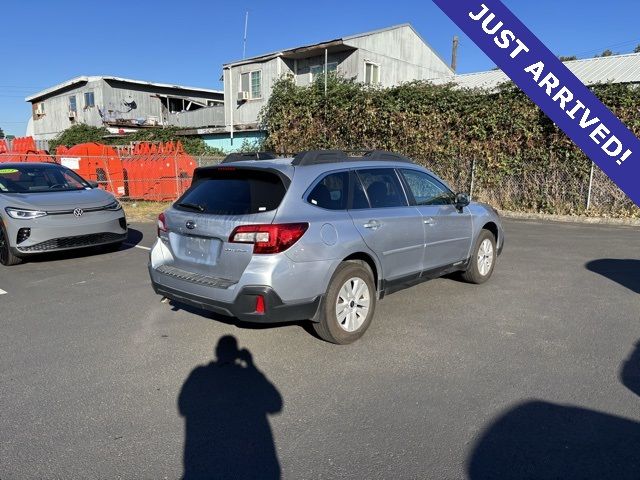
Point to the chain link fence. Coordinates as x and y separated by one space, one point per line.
163 178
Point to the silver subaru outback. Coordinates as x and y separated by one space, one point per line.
322 236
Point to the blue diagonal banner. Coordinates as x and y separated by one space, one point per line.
552 86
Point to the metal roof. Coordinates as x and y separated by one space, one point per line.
337 42
85 78
614 69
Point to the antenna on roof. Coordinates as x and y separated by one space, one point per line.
244 42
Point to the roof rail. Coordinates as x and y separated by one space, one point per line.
244 156
318 157
383 155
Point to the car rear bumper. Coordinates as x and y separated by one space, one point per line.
244 306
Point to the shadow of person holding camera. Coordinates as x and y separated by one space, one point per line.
225 405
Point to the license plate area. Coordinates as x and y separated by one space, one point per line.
200 250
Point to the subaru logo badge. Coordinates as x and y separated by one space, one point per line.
191 224
78 212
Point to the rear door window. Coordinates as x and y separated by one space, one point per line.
233 192
383 187
360 200
331 192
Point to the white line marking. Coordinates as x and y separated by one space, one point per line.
137 246
2 292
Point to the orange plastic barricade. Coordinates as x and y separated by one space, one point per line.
96 162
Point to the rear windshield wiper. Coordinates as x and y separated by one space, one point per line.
192 206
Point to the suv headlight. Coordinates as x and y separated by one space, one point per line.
115 206
23 214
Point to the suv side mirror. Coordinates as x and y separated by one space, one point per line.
462 200
93 184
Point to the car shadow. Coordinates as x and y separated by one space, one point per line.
216 317
226 406
626 272
134 238
630 373
542 440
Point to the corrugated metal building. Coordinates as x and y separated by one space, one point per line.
385 57
122 104
614 69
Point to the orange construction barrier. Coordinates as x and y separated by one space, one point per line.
96 162
158 172
22 149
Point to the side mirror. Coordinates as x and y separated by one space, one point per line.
93 184
462 200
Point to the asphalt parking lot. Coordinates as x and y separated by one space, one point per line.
535 374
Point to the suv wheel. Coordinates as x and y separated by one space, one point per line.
7 257
349 304
483 259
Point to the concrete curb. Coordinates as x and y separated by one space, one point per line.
628 222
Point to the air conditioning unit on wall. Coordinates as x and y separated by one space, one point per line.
40 109
243 96
72 115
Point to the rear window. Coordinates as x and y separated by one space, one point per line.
233 192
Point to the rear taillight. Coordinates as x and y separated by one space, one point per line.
269 238
162 224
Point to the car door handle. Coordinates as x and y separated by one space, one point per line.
372 225
429 221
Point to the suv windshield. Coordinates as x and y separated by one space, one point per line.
32 178
231 191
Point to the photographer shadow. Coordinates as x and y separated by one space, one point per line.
226 404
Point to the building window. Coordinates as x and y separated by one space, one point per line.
317 70
256 84
89 100
38 109
371 73
252 82
73 106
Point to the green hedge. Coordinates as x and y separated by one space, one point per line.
522 160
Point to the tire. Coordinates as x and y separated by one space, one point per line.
344 283
484 251
7 258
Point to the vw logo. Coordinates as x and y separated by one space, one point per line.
191 225
78 212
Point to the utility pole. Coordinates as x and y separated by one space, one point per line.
454 53
244 41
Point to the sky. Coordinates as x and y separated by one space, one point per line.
46 42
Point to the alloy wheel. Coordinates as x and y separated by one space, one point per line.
485 257
352 304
